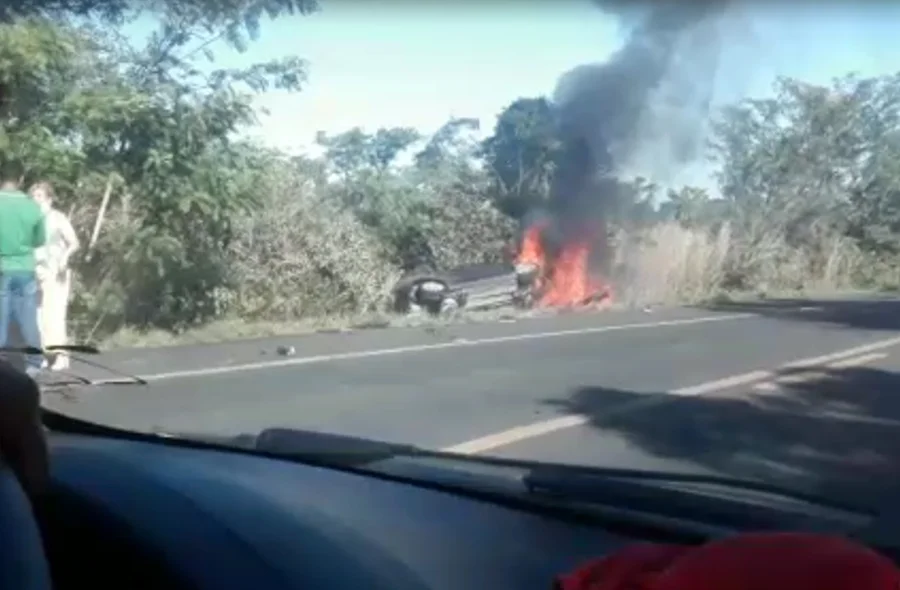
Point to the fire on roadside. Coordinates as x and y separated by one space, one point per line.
563 279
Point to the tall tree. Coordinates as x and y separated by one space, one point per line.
522 154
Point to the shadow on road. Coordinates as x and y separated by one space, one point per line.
837 435
865 314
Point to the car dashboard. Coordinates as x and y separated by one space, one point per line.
127 510
125 513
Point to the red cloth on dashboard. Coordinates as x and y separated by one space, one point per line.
759 561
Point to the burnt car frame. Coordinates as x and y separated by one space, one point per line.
477 286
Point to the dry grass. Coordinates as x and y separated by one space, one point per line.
671 264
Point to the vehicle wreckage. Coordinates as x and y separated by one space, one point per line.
546 273
482 286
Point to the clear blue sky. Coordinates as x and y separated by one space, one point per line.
398 63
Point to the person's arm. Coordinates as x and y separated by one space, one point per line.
40 229
69 237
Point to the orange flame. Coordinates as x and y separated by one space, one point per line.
564 281
532 251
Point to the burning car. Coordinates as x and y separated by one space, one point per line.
558 270
552 269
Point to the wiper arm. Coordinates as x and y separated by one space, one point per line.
60 382
308 446
82 348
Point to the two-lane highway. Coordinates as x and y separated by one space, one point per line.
680 389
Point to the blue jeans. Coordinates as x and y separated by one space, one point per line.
19 295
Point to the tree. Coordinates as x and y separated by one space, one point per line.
799 153
80 103
109 9
811 165
363 164
522 155
691 206
355 152
231 19
171 147
38 63
448 144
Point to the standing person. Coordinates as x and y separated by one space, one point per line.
53 273
21 233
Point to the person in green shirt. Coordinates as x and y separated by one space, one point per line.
22 231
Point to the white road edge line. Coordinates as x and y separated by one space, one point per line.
309 360
520 433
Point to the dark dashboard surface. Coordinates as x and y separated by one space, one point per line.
226 520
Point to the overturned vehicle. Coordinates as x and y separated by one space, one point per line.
477 286
531 281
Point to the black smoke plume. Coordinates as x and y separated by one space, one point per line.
648 101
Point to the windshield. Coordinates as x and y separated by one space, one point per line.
624 236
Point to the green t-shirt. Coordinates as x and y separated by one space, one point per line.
22 230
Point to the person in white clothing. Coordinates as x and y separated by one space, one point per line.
53 273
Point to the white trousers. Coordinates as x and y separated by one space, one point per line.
52 315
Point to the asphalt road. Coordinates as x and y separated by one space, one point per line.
701 390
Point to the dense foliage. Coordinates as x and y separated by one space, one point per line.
184 223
